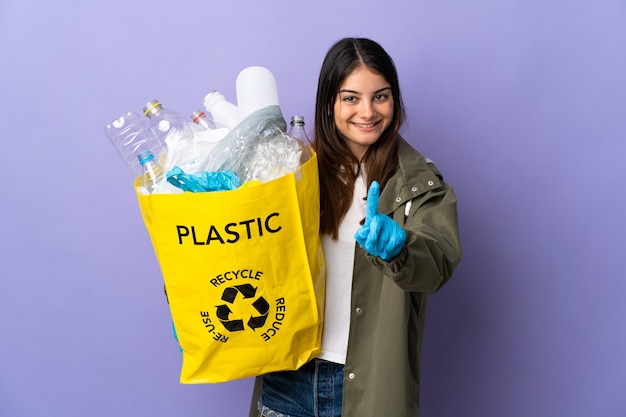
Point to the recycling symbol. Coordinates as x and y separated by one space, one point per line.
247 291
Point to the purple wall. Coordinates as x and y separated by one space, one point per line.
521 104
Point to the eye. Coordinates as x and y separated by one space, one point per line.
349 99
381 97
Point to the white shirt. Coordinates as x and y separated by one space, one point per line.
339 256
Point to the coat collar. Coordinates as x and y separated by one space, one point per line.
415 176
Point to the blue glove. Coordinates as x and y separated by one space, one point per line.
380 235
203 181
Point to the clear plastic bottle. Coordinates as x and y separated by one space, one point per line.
167 125
130 134
297 131
225 114
153 173
173 129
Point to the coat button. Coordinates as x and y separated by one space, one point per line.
358 310
398 199
414 189
351 375
430 183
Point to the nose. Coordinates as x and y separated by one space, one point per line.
367 110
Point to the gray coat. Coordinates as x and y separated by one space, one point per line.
382 370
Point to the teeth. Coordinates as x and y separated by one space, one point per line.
365 126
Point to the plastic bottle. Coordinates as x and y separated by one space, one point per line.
166 124
225 114
130 134
256 89
297 131
152 172
174 130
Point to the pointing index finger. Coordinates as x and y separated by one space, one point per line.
372 200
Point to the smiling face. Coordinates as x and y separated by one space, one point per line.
363 109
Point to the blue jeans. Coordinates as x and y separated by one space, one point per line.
314 390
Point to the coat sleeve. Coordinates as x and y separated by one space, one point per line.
432 249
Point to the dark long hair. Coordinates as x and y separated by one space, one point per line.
336 161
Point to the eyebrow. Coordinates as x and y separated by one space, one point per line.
356 92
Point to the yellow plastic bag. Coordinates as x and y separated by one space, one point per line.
244 274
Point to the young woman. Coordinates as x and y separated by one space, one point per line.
390 237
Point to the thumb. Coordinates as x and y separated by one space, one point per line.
372 201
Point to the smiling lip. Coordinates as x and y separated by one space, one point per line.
366 126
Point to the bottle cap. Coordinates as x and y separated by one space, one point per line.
145 156
152 108
297 120
197 115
